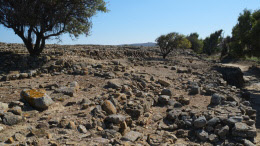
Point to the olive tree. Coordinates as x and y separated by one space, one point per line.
171 41
35 21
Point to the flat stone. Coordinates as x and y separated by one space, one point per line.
11 119
131 136
235 119
70 91
115 118
243 130
115 83
164 83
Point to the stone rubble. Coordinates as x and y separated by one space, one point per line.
106 95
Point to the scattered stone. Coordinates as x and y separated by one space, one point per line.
16 110
223 132
109 107
235 119
71 125
74 85
213 121
115 83
10 140
166 92
11 119
213 138
131 136
82 129
3 106
248 143
164 83
194 90
115 118
1 128
216 99
70 91
202 135
154 139
200 122
163 99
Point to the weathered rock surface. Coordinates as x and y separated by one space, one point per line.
37 98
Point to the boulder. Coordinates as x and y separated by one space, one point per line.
233 75
37 98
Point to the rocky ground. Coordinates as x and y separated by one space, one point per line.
109 95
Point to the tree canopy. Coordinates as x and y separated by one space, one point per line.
246 35
35 21
210 44
171 41
196 43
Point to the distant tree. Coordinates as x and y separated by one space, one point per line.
210 44
35 21
171 41
245 35
196 43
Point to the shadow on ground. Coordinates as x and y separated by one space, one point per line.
10 61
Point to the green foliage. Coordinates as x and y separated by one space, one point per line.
246 35
171 41
196 43
225 46
210 44
35 21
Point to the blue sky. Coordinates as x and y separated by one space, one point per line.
140 21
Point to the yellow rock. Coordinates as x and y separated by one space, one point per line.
10 140
37 98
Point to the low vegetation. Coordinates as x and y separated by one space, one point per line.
171 41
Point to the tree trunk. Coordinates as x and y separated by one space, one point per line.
38 47
164 56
